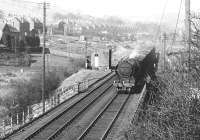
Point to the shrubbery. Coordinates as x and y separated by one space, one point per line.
28 92
170 111
76 65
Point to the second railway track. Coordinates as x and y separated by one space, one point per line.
100 127
55 126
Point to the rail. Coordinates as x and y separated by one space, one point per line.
69 114
110 120
19 120
59 130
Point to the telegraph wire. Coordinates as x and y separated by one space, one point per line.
161 19
26 5
177 21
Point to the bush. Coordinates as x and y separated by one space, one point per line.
3 111
29 92
76 65
175 114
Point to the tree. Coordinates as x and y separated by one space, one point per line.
195 46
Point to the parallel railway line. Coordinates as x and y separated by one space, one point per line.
92 116
25 127
100 127
56 125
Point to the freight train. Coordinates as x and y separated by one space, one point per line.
133 73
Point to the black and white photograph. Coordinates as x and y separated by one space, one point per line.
99 69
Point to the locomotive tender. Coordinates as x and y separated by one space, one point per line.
133 73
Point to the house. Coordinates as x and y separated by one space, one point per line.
59 29
24 28
2 25
22 25
38 25
68 28
77 29
15 22
72 28
61 25
31 22
34 33
10 37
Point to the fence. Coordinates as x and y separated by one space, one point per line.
18 119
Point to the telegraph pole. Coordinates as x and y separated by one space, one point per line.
43 57
164 50
86 64
188 31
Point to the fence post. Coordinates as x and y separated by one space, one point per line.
23 116
17 118
4 128
51 101
78 88
11 123
87 84
58 98
54 100
28 113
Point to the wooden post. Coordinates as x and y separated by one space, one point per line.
86 64
78 87
23 118
11 123
87 84
188 31
58 95
15 45
4 128
164 51
17 118
54 101
28 113
43 57
110 57
51 101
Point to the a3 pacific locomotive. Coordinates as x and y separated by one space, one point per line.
133 73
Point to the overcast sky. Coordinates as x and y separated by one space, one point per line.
135 10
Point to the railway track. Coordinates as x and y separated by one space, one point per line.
50 112
55 126
100 127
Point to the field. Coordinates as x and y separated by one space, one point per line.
72 45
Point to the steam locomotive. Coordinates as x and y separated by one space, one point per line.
133 73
